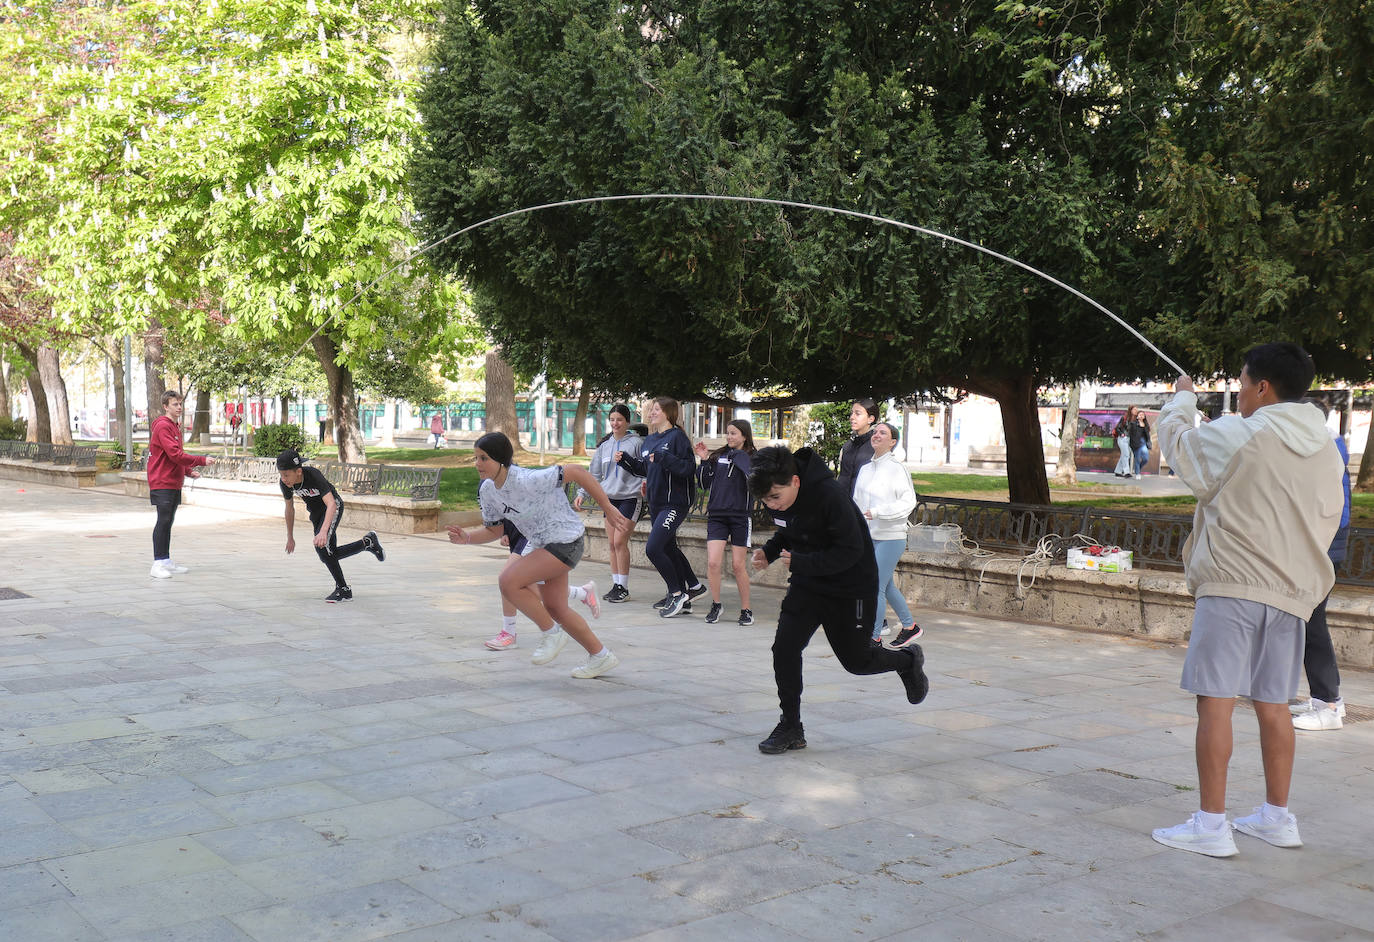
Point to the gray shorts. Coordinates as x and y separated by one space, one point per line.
1243 648
569 554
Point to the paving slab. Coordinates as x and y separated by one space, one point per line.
223 757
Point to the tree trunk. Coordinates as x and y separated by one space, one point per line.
343 401
500 381
117 366
153 369
200 423
584 399
1066 473
1364 481
60 416
40 422
5 404
1026 480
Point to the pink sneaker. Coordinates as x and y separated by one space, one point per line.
591 599
502 641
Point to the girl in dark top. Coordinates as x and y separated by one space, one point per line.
669 468
725 473
857 452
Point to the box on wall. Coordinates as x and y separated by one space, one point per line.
1114 560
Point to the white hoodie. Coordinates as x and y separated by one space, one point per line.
883 486
1269 501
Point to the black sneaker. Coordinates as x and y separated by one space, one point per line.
746 617
663 602
784 736
687 609
374 545
914 677
696 592
907 635
341 593
676 603
618 593
610 592
713 615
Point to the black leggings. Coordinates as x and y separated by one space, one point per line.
663 551
848 625
1319 658
332 552
165 499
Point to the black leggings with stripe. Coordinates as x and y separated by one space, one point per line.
332 552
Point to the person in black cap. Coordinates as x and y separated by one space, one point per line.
325 507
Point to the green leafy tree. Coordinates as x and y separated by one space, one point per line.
1003 124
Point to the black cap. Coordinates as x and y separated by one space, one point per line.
288 459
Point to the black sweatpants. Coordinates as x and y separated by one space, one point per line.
1319 658
662 549
848 625
332 552
166 500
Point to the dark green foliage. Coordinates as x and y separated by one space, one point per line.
13 430
271 440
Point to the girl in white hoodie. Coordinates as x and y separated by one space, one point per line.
884 493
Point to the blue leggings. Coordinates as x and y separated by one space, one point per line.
888 552
663 551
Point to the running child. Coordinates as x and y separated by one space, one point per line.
325 507
725 474
823 539
623 488
534 501
669 469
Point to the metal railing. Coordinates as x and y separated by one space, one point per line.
82 456
358 479
1155 540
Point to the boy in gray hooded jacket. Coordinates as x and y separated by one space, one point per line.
1269 501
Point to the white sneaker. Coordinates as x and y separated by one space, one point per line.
1307 706
591 599
1192 836
1279 833
176 568
1324 717
550 644
596 665
160 570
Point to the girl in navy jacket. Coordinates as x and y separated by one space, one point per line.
669 469
725 473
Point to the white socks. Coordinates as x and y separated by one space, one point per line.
508 623
620 578
576 593
1273 814
1211 821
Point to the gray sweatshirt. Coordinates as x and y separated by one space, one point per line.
618 483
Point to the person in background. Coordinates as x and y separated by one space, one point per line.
436 430
725 474
858 451
883 492
168 467
1122 432
1325 709
623 488
1140 443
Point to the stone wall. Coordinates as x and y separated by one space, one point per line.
41 472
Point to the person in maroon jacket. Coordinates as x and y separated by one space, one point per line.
168 467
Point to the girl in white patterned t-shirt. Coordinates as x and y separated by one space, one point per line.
534 501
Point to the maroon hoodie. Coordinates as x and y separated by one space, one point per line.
167 462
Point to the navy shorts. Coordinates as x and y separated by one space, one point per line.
628 506
734 530
514 538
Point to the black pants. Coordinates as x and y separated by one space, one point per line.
166 500
332 552
662 549
1319 658
848 625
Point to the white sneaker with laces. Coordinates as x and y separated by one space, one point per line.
1282 833
172 565
596 665
1325 717
1192 836
160 569
1308 706
550 644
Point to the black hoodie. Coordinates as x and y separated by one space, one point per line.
832 552
856 453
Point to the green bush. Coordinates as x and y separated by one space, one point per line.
271 440
830 430
13 430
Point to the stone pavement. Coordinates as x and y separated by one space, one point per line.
222 756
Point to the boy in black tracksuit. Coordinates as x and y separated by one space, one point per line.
823 539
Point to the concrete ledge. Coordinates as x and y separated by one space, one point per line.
41 472
371 512
1143 603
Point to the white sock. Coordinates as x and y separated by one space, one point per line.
556 627
1273 813
1210 820
619 578
602 653
576 593
508 623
